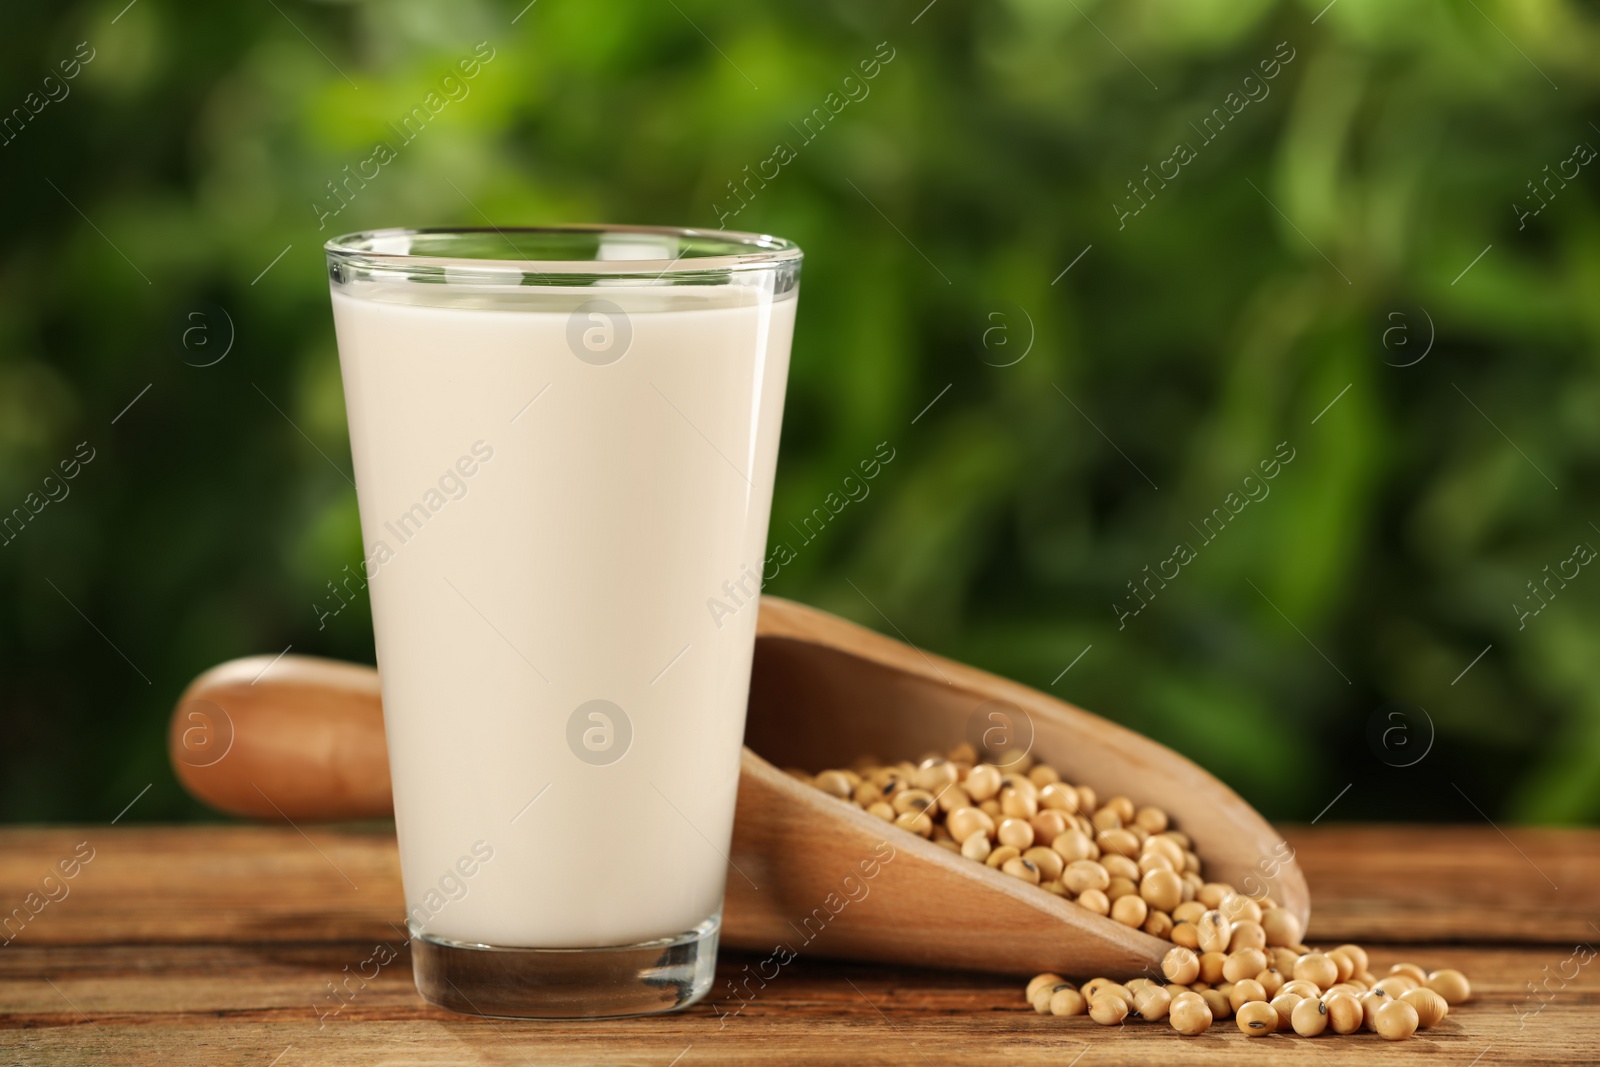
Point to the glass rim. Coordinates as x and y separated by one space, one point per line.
365 248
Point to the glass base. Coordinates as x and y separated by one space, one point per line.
567 983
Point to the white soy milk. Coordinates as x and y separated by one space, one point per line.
544 523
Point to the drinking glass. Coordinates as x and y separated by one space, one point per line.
564 443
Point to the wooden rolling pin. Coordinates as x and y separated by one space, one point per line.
302 739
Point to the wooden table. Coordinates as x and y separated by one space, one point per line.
217 945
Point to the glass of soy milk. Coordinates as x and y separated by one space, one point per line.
564 443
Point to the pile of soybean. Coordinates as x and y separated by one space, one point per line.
1111 857
1234 955
1282 988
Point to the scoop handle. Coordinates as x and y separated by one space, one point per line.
301 737
295 737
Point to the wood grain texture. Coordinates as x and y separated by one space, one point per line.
207 1004
193 946
298 738
258 883
824 691
1447 883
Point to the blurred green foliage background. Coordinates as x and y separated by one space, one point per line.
1301 256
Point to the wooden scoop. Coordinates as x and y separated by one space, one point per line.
302 738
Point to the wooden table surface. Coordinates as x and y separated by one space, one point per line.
217 945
